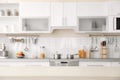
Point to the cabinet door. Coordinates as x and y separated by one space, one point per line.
92 9
115 64
41 9
56 14
114 8
43 64
111 23
69 16
95 64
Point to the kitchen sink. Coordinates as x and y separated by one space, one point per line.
64 62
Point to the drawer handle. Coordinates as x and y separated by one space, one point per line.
64 62
96 65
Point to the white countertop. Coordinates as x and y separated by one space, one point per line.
46 60
24 60
17 70
60 71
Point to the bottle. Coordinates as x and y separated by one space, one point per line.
81 54
103 50
88 55
16 13
3 47
2 13
9 12
42 52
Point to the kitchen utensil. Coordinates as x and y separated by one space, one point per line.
29 42
70 56
92 43
3 51
116 42
34 40
93 49
96 48
3 54
116 50
57 55
26 48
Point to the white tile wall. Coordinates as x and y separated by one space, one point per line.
63 45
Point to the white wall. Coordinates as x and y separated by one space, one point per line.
63 41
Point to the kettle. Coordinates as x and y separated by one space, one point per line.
3 52
57 56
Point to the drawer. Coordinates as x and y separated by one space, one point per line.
24 64
115 64
95 64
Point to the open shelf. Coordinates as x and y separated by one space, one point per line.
92 24
35 24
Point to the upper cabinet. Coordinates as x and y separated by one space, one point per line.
41 9
92 9
63 14
9 18
114 16
69 15
43 17
35 25
92 24
92 16
114 8
57 14
35 17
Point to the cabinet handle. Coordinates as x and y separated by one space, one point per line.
63 21
96 65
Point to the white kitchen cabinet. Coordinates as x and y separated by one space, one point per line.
69 16
35 25
92 9
56 14
63 14
115 64
35 17
92 24
92 17
43 64
9 18
111 24
15 63
41 9
95 64
114 8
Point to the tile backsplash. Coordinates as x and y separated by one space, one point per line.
64 45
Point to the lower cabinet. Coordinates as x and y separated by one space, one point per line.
15 64
44 64
35 25
95 64
115 64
